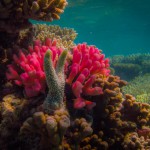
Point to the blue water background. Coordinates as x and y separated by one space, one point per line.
115 26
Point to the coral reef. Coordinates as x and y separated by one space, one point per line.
14 15
140 88
66 118
53 122
136 64
116 120
61 96
123 69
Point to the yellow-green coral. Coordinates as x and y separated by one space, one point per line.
145 98
140 88
65 36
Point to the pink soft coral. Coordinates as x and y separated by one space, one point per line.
88 61
27 70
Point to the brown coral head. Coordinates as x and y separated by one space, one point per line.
110 92
14 15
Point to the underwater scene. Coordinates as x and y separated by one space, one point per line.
74 75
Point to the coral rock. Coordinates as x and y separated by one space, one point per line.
51 129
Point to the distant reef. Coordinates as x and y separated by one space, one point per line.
130 66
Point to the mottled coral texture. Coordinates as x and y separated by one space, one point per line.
27 69
87 63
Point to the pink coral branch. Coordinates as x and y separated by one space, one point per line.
27 69
88 61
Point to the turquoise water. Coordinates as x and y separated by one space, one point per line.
115 26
